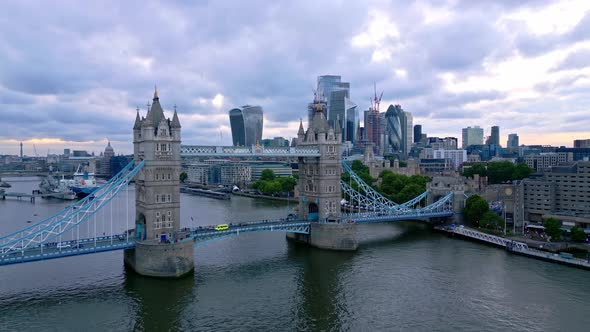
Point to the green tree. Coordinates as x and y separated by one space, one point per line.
183 177
267 175
287 183
490 220
475 207
552 228
577 234
477 168
521 171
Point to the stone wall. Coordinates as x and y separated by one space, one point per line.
161 260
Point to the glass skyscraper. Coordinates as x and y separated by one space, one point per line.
246 125
336 94
393 130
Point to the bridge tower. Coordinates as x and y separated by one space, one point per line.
319 185
156 140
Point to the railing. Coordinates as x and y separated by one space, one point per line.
252 151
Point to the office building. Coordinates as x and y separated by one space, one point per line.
455 158
512 141
246 125
417 133
398 131
393 131
544 160
472 136
352 122
408 130
371 130
495 136
561 192
578 143
239 174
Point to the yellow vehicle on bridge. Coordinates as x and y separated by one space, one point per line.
221 227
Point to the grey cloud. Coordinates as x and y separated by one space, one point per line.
575 60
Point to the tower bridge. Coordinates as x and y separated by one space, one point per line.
155 244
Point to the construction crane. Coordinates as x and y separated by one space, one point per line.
376 101
35 149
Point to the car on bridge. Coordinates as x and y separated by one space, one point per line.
221 227
62 245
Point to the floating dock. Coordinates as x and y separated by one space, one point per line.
519 248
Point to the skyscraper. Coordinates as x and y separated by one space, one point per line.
352 122
495 136
393 130
408 126
472 136
246 125
337 107
417 133
512 141
399 131
371 133
336 94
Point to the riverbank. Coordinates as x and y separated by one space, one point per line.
516 247
272 198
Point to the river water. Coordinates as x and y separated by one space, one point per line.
403 277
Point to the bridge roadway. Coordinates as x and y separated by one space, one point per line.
121 241
200 235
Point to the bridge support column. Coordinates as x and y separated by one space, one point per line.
153 259
340 237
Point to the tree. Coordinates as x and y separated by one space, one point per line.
287 183
267 175
183 177
552 228
475 207
491 220
499 171
577 234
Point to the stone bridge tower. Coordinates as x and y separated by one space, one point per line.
156 141
319 185
319 177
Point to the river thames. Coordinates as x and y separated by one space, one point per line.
403 277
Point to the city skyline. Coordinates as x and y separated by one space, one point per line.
77 84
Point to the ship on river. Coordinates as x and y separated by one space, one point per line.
82 184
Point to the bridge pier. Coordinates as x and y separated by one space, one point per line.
152 259
339 237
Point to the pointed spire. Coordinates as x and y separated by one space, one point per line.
338 129
175 122
155 92
137 124
301 130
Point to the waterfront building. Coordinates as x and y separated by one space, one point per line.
561 192
198 173
276 142
578 143
279 169
472 136
239 174
512 142
246 125
541 161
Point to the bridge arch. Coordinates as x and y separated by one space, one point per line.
313 211
140 227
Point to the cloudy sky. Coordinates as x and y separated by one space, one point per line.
73 72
